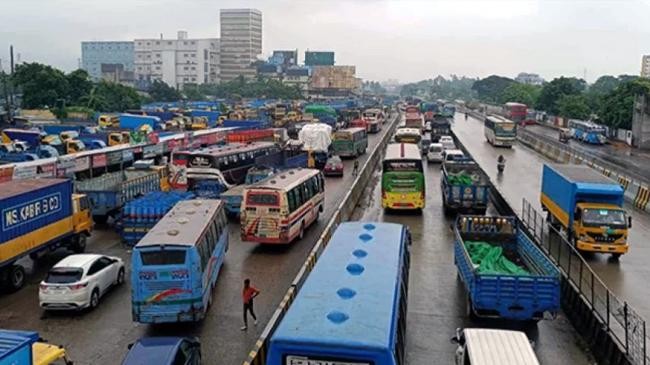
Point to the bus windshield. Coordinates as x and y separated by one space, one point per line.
163 257
504 129
402 166
256 198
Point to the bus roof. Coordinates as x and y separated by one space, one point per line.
510 103
498 119
406 130
351 130
490 346
350 297
285 180
402 151
231 148
183 225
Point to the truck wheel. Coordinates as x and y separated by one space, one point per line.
616 256
100 219
79 244
15 277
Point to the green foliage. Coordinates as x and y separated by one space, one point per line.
616 107
79 85
573 106
259 88
193 92
41 85
109 96
374 87
441 88
160 91
490 88
554 90
520 93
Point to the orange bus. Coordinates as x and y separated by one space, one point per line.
279 208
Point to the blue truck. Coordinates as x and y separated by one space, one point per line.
505 274
27 348
109 192
464 187
135 122
587 206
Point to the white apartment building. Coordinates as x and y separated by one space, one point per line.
241 42
177 61
645 66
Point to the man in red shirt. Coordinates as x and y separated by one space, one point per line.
248 294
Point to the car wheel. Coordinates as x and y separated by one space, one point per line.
16 278
94 299
120 277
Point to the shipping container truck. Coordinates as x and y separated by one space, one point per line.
109 192
464 187
39 215
505 274
109 138
28 348
587 207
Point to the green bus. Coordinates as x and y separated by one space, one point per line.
350 142
402 179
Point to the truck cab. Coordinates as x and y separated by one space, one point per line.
601 227
117 138
81 214
74 146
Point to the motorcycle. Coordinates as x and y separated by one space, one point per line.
501 166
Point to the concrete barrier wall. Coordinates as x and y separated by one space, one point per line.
257 355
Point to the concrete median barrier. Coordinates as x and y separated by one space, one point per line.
257 355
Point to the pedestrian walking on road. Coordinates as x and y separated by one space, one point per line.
355 169
248 294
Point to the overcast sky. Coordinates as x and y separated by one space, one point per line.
400 39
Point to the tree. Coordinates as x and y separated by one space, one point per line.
109 96
453 88
79 85
490 88
604 85
554 90
617 107
573 106
520 93
41 85
193 92
160 91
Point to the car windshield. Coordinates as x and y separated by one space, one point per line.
64 275
604 217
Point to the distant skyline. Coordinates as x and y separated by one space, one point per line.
408 40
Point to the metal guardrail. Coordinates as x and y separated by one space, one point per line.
257 356
595 162
620 320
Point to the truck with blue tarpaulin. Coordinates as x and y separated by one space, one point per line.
39 215
212 116
464 187
27 348
109 192
505 274
588 206
136 122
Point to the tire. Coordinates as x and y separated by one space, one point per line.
616 256
101 219
120 277
79 245
15 277
94 299
301 235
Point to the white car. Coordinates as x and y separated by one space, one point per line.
447 142
435 152
452 155
78 281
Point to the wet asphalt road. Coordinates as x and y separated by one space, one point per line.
628 278
622 156
102 336
436 305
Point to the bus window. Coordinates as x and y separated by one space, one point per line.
163 257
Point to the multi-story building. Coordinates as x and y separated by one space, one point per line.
241 42
176 61
334 81
284 58
645 66
530 79
318 58
297 76
96 54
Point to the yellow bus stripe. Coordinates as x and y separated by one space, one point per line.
555 210
36 238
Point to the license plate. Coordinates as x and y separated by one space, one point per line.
301 360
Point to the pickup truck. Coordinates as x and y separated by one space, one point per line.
506 276
464 187
109 192
588 206
28 348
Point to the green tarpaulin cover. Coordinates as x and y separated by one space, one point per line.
460 179
490 259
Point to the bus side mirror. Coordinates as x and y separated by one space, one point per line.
629 222
454 340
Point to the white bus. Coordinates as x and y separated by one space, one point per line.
500 131
279 208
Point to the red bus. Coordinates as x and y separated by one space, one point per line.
516 112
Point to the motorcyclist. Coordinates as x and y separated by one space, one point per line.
501 163
465 115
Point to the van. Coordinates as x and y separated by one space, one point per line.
479 346
435 152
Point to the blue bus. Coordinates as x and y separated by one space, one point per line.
587 132
176 264
352 308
